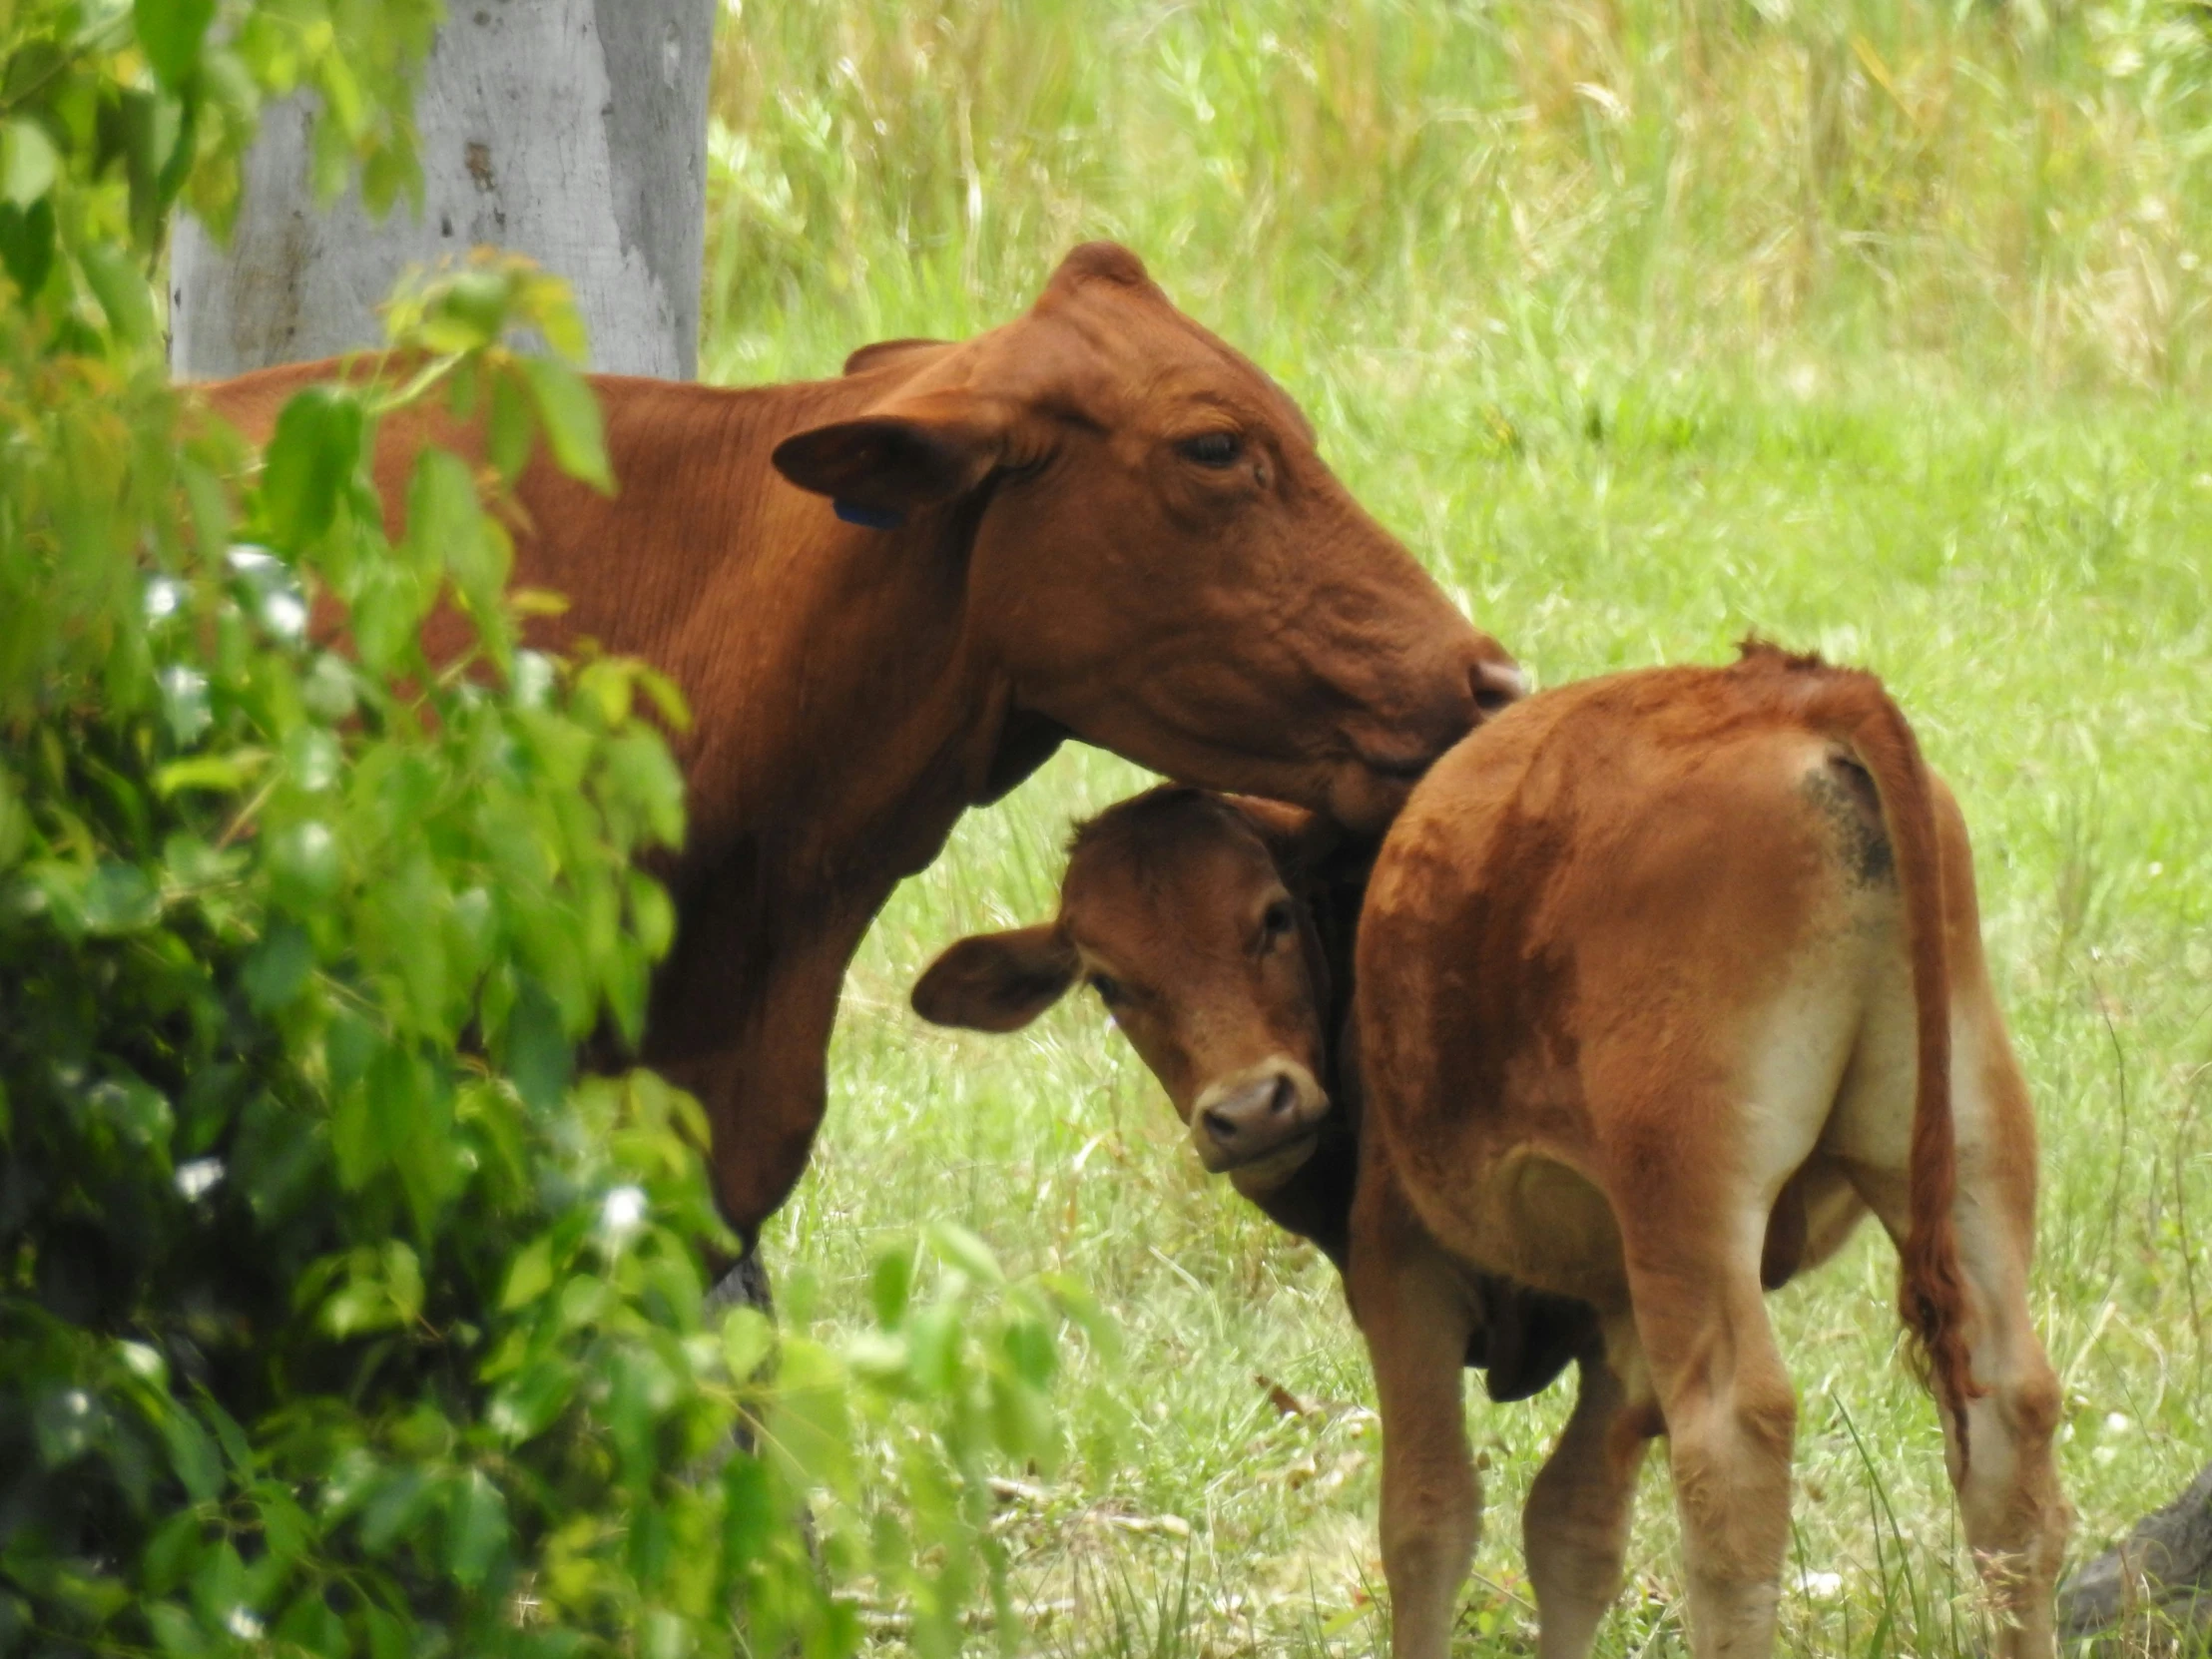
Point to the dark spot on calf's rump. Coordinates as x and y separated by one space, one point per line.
1845 793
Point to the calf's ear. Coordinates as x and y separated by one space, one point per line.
1297 839
998 981
914 454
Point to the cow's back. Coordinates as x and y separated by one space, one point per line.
703 562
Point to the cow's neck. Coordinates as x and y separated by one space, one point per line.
843 718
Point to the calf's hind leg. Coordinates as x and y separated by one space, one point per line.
2017 1521
1731 1417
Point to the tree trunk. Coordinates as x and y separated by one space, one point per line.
573 130
2153 1588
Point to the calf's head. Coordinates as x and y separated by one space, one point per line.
1156 558
1176 911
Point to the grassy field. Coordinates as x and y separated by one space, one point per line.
1877 328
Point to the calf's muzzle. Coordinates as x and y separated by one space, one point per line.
1270 1113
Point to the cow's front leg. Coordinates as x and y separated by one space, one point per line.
741 1015
1416 1311
743 1284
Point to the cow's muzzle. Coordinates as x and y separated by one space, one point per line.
1270 1112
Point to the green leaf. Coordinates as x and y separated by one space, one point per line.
27 242
15 823
539 1054
527 1402
120 898
171 32
120 286
192 1454
477 1529
29 163
276 972
177 1630
389 1637
317 445
221 774
508 428
890 1284
747 1335
304 859
571 415
400 1498
957 1247
138 1111
530 1276
442 515
185 702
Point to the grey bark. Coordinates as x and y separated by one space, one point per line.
2152 1590
573 130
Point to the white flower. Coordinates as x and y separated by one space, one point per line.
622 1214
162 595
1821 1587
241 1623
194 1178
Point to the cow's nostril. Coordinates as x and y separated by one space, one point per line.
1220 1125
1497 685
1283 1098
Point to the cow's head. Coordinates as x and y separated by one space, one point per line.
1176 910
1157 559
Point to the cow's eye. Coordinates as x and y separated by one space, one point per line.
1109 990
1215 449
1276 923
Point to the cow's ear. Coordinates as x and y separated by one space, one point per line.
894 354
916 454
998 981
1297 839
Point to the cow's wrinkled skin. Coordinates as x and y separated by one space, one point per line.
1096 521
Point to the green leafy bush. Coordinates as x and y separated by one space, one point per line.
336 1315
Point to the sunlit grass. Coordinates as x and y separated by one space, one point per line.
1874 328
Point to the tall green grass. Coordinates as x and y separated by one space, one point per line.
1876 327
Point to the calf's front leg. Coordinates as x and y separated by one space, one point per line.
1574 1527
1416 1311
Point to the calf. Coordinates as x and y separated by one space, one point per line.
1662 982
1217 929
1660 986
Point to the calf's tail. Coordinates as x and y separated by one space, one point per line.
1853 709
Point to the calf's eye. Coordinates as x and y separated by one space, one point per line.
1214 449
1277 924
1108 988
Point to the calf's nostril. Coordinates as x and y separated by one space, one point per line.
1283 1097
1220 1124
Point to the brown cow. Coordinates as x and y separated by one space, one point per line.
1218 930
890 596
1662 981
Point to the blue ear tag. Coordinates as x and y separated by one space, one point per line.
867 517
